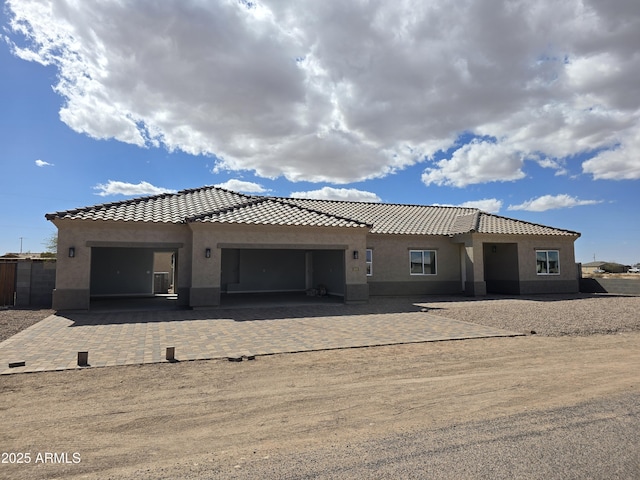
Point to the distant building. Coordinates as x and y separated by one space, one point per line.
591 267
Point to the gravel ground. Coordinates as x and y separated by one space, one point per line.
14 320
547 315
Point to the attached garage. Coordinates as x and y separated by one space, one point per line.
121 271
131 271
249 270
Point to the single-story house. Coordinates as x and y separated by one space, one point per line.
222 242
592 267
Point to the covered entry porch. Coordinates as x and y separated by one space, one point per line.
501 270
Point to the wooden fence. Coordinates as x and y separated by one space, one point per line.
8 283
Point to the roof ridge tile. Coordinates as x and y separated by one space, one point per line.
348 219
221 211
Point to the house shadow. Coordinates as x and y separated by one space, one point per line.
248 309
156 302
260 307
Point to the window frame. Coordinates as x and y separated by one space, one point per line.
434 266
547 262
368 259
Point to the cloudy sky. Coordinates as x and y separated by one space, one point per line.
526 109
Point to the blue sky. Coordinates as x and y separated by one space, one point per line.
412 102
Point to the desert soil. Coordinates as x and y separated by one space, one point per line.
220 419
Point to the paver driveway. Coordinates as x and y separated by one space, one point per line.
142 336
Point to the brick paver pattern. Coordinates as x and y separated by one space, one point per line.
137 337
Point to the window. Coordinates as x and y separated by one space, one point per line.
548 262
369 262
423 262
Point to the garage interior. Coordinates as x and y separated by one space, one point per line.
131 278
247 272
144 277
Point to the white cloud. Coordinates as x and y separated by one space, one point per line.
476 162
42 163
622 163
554 165
345 91
129 189
551 202
491 205
242 186
330 193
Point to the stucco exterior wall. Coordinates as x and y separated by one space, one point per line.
528 280
527 257
391 265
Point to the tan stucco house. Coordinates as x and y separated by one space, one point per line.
222 242
592 267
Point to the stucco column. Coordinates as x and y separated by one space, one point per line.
474 265
73 273
357 287
182 275
205 268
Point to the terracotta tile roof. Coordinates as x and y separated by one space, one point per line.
164 208
496 224
269 211
216 205
392 218
428 220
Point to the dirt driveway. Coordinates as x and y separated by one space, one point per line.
220 419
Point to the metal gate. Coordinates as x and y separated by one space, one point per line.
7 283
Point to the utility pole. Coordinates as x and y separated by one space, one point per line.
21 245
